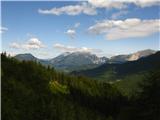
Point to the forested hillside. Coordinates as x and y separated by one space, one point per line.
116 71
31 91
126 76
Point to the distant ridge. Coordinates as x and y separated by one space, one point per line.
77 59
68 61
26 57
83 60
131 57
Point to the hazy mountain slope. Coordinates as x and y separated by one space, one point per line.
26 57
131 57
30 57
119 58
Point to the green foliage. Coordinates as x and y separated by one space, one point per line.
145 104
149 97
129 85
58 88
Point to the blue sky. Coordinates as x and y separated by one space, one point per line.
47 29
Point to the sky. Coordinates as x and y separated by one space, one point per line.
105 27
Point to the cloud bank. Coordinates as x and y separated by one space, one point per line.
90 7
119 4
64 48
32 43
122 29
71 10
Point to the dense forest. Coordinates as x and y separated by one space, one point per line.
31 91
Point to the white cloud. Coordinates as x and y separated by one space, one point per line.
144 3
76 25
107 4
71 33
64 48
32 43
3 29
71 10
35 42
129 28
119 4
90 7
15 45
119 14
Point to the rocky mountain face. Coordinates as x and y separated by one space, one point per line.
77 59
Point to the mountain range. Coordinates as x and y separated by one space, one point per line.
115 71
68 61
83 60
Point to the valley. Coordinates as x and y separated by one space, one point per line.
80 60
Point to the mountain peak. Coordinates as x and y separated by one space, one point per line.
65 53
132 57
26 56
76 60
140 54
